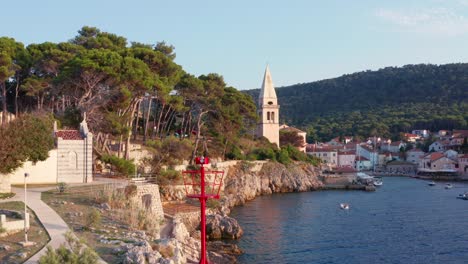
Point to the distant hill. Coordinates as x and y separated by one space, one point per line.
383 102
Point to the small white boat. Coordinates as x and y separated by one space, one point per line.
344 206
463 196
432 183
378 182
448 186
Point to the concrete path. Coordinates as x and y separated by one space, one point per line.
52 222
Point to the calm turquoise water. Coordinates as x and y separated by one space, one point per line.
404 221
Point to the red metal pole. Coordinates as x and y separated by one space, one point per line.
203 198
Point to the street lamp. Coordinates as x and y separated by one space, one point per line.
26 215
207 190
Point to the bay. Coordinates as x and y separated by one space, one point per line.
404 221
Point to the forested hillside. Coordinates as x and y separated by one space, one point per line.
383 102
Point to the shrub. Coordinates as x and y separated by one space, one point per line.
63 255
169 176
93 219
130 190
283 157
235 154
124 166
62 187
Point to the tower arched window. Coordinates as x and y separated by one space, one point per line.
268 115
273 116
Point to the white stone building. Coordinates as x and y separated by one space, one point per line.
71 161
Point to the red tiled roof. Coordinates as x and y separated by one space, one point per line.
410 135
436 156
69 134
347 152
292 129
361 158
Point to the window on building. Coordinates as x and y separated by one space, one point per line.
273 116
268 115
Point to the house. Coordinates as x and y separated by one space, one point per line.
299 132
397 166
463 164
437 161
71 160
368 152
438 145
393 147
346 158
443 133
414 155
451 154
328 154
339 141
362 163
421 132
411 137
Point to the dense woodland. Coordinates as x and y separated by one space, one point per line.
384 102
127 91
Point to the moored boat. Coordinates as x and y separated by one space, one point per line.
344 206
448 186
378 182
432 183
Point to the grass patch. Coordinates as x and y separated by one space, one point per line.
6 195
36 233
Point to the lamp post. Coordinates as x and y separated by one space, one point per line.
214 187
26 215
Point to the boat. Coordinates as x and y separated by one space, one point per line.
463 196
378 182
344 206
432 183
448 186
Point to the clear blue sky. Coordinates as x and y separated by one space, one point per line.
302 41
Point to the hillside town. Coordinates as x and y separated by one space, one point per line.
421 152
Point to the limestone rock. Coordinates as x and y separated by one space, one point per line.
222 227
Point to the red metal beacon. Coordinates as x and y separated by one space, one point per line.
197 186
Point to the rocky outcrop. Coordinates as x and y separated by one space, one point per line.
222 227
242 185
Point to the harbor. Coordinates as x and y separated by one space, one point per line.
404 221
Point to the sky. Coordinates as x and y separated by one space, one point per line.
301 40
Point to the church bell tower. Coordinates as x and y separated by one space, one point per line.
268 110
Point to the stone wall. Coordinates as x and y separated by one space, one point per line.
147 197
5 186
15 225
40 172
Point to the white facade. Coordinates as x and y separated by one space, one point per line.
414 156
436 146
329 157
346 159
268 110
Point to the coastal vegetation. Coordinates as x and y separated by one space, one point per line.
383 102
127 91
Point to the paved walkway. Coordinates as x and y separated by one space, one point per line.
52 222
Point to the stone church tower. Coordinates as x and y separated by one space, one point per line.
268 110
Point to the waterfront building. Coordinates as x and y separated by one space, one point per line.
346 158
268 110
414 155
328 154
463 164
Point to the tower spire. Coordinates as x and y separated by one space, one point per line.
267 93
